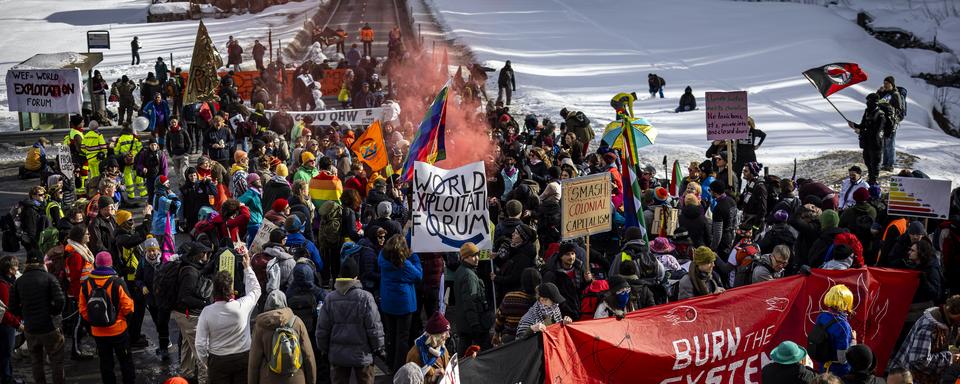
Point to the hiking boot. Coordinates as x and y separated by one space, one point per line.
81 356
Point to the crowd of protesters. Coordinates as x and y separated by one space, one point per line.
335 287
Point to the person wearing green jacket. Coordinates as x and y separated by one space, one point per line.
307 169
251 198
474 316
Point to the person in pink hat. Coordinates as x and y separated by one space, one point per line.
663 249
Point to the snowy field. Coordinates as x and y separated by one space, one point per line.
49 26
578 54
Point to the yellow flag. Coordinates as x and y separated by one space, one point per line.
370 148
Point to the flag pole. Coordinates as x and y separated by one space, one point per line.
827 99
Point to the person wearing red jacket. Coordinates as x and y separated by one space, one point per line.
112 340
9 265
78 265
237 217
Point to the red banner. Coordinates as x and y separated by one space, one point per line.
728 337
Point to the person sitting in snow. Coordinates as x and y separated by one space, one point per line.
687 101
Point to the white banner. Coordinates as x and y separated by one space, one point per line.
343 116
451 373
450 208
45 90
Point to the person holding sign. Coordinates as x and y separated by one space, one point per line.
429 350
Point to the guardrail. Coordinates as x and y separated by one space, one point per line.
54 135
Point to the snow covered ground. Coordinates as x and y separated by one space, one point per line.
578 54
48 26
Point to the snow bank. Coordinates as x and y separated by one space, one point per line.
51 60
580 53
913 21
180 8
926 61
949 34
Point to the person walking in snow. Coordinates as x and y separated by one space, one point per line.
507 82
656 85
135 51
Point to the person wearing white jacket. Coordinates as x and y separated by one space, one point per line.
223 329
851 185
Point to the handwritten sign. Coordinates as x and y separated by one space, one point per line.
450 208
65 161
451 373
227 262
263 235
585 206
44 90
727 115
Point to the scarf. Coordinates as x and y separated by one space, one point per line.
428 354
82 250
699 280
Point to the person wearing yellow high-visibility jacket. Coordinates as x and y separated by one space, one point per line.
94 150
127 147
74 140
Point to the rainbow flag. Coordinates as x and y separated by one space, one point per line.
428 144
676 179
632 207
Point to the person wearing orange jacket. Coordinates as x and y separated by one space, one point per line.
108 322
366 36
78 265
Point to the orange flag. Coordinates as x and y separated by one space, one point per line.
370 148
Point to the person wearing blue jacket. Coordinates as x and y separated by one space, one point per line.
295 239
166 205
399 272
251 198
839 304
158 112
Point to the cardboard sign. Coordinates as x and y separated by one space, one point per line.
65 161
451 373
450 208
585 206
664 220
914 197
727 115
262 237
227 262
45 90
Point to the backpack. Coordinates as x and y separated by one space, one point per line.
10 227
888 115
592 296
165 284
819 346
581 119
744 274
285 354
902 113
330 214
101 307
49 238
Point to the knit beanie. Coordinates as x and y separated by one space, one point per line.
279 205
829 219
780 216
468 249
104 201
861 195
349 268
122 216
240 157
754 167
277 235
632 233
103 259
916 228
384 209
306 156
151 243
703 255
282 170
861 358
437 324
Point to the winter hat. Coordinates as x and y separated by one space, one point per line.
875 192
384 208
829 219
861 195
890 79
34 257
660 194
754 167
526 232
681 236
104 201
468 249
151 243
240 157
437 324
718 187
565 248
277 235
842 252
661 245
706 167
916 228
53 179
276 299
633 233
348 249
103 259
861 358
279 205
292 224
163 179
282 170
513 208
617 283
780 216
251 177
349 268
122 216
504 118
306 156
409 373
788 353
550 291
703 255
610 157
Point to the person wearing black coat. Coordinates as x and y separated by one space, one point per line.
724 218
746 149
862 364
196 194
807 224
218 142
558 271
512 258
687 101
536 167
506 83
32 220
36 297
697 225
753 200
504 229
870 134
922 258
276 188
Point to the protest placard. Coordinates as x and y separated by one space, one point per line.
450 208
727 115
44 90
263 235
915 197
585 206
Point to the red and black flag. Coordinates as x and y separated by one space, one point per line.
831 78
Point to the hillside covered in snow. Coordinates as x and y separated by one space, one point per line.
577 54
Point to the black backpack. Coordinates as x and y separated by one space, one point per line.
101 307
819 346
165 284
903 103
744 275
